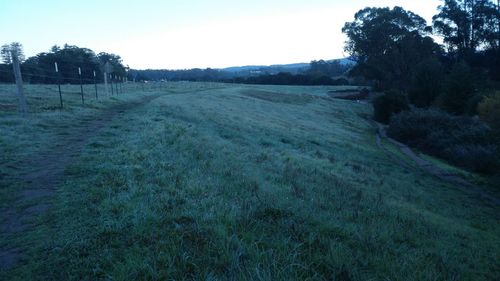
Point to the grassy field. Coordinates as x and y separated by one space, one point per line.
197 181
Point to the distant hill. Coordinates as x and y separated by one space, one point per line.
293 68
211 74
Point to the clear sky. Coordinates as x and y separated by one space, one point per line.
191 33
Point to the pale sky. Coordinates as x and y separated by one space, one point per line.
176 34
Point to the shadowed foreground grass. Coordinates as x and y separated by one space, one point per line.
234 183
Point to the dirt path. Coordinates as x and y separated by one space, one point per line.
429 167
46 174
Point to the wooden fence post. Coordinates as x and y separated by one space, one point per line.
95 85
81 83
23 107
59 85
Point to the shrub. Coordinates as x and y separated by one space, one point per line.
470 106
489 111
463 141
477 158
388 104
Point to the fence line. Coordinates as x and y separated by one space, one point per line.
116 89
118 84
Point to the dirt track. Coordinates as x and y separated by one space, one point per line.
47 172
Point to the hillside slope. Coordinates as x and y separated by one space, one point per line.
230 182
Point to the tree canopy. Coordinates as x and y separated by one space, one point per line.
468 25
41 67
327 68
5 52
387 44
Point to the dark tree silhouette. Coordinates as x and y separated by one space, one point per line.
387 44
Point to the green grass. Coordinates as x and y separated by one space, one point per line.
231 182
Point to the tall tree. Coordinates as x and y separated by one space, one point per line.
6 52
117 67
69 58
468 25
387 44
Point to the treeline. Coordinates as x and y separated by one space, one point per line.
195 74
318 73
328 68
394 49
285 78
41 67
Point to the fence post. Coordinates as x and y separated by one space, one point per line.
116 85
95 84
111 83
59 84
106 89
23 107
107 70
81 85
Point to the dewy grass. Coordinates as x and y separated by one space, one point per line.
210 183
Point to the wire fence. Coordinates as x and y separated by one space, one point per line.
58 95
78 91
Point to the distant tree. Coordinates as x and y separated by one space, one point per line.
387 44
55 49
6 74
285 78
115 61
6 52
327 68
69 58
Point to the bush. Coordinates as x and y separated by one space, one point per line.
489 111
470 106
463 141
388 104
477 158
